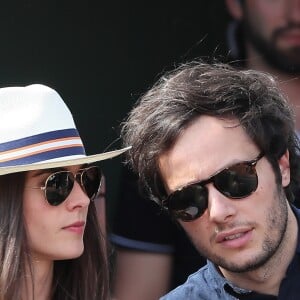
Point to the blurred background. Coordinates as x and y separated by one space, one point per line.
102 55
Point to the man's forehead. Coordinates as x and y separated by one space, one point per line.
206 146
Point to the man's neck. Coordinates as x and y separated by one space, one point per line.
267 278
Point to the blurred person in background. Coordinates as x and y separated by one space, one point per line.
265 36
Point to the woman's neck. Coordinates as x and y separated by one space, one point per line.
38 280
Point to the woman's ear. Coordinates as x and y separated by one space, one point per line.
234 8
284 165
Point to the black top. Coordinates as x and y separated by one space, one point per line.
141 225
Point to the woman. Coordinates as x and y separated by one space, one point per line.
50 242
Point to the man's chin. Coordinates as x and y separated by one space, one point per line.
285 61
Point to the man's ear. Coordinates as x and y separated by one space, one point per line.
234 8
284 165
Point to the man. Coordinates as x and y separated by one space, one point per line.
216 148
266 37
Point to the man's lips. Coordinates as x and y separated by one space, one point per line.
234 238
291 36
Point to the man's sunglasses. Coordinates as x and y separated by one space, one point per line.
235 182
59 185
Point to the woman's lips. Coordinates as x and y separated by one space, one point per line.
77 227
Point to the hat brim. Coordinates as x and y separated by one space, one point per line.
64 162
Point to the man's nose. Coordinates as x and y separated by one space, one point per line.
293 11
220 208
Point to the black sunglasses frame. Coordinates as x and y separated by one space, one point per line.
181 213
78 176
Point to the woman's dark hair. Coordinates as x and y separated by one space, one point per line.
217 90
85 277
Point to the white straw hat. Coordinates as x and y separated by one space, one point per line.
37 131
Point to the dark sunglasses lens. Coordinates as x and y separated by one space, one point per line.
91 180
189 203
58 187
238 181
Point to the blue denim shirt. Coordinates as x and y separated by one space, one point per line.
208 284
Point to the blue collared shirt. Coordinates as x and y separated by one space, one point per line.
208 284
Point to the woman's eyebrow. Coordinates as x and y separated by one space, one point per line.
53 170
46 171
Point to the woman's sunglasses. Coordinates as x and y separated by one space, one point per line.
59 185
235 182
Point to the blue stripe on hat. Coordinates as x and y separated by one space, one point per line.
39 138
42 157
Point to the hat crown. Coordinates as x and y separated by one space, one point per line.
36 127
37 131
31 110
